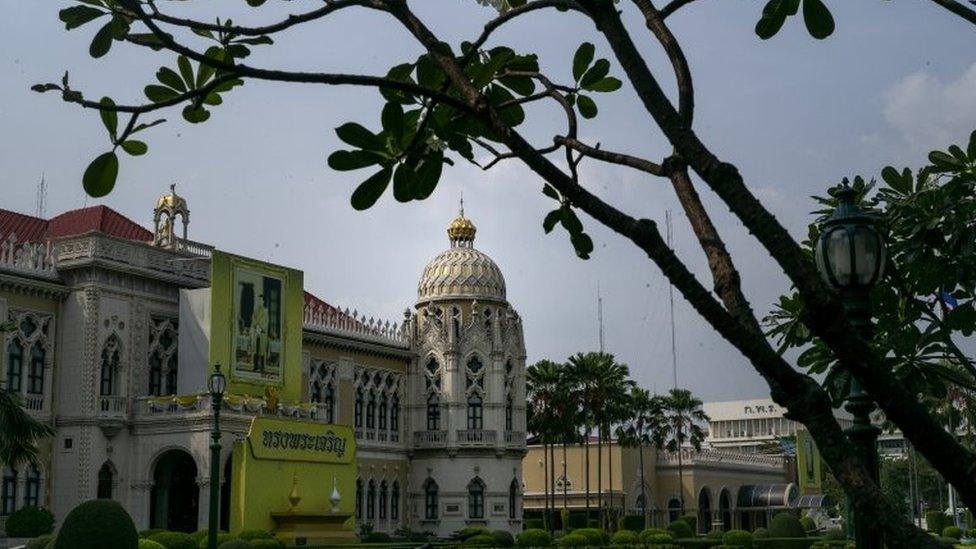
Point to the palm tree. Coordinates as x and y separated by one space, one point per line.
19 432
642 427
683 418
544 385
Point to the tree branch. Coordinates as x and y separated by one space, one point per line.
958 9
612 157
673 6
141 109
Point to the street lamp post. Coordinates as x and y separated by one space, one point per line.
850 257
216 385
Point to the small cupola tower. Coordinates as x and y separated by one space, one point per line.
168 208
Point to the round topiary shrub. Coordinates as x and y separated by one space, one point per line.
786 525
248 535
715 533
738 538
655 535
946 541
681 530
935 521
625 537
235 544
267 544
479 540
202 542
574 540
97 524
692 521
834 534
149 544
175 540
40 542
954 532
760 533
534 537
469 532
29 522
151 532
502 538
808 524
594 536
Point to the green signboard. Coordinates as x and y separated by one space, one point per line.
808 464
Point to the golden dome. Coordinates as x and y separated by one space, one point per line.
461 229
171 201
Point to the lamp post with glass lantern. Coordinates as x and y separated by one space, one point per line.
850 255
216 384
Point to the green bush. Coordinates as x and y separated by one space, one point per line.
784 543
374 537
655 535
534 537
96 524
502 538
694 543
634 523
235 544
576 520
29 522
715 533
808 524
470 532
737 537
625 537
834 534
151 532
954 532
479 540
533 524
267 544
40 542
786 525
221 537
681 529
692 521
149 544
946 542
248 535
175 540
574 540
935 521
760 533
594 536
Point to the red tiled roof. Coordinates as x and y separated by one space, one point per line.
96 218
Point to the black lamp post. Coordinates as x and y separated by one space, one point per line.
216 385
850 256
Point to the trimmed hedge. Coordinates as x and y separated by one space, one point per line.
808 524
625 537
935 521
655 535
697 542
760 533
954 532
692 521
96 524
151 532
149 544
40 542
265 544
594 536
534 537
235 544
534 524
469 532
29 522
834 534
681 530
785 543
737 537
479 540
373 537
633 522
502 538
248 535
175 540
221 538
786 525
575 540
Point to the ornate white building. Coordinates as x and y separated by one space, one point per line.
436 403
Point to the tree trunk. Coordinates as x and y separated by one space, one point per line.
611 513
552 482
565 479
545 480
586 444
599 474
640 453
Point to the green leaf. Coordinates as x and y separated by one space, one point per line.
392 119
900 182
352 160
158 94
369 191
513 114
358 136
429 75
549 191
109 118
169 78
99 178
146 39
570 221
135 148
255 3
403 183
186 71
819 21
41 88
582 59
971 149
944 161
102 41
551 219
204 74
140 127
607 84
77 16
773 16
195 115
595 74
583 244
256 41
522 85
958 154
586 106
428 175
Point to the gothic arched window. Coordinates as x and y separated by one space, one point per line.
330 403
476 499
395 501
106 480
384 499
371 411
32 487
15 365
395 414
430 500
475 412
35 374
371 501
110 366
8 491
359 499
509 409
433 413
155 375
513 490
384 408
163 357
359 408
316 394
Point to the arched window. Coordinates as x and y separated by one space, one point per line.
110 366
316 393
371 411
15 365
32 487
106 479
155 375
359 408
508 414
674 509
513 490
395 414
433 413
395 501
8 492
35 375
384 499
430 500
163 357
384 407
475 375
371 501
475 413
359 499
476 499
172 376
330 403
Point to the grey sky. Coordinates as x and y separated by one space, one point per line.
896 80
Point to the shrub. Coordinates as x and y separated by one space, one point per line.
502 538
248 535
681 529
151 532
469 532
576 520
29 522
40 542
96 524
694 543
715 533
479 540
235 544
625 537
946 542
954 532
221 538
655 535
175 540
634 522
267 544
787 543
372 537
534 537
149 544
935 521
834 534
808 524
594 536
574 540
786 525
692 521
533 524
760 533
739 538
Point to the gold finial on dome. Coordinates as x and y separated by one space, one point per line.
168 208
461 231
171 200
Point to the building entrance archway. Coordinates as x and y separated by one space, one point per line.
174 498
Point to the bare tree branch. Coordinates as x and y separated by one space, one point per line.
957 8
673 6
612 157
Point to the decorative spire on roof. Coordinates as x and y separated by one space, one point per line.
461 231
168 208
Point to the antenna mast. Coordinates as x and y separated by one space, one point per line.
674 347
40 201
599 313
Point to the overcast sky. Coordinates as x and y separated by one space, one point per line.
795 115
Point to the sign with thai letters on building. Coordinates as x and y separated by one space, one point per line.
289 440
808 464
